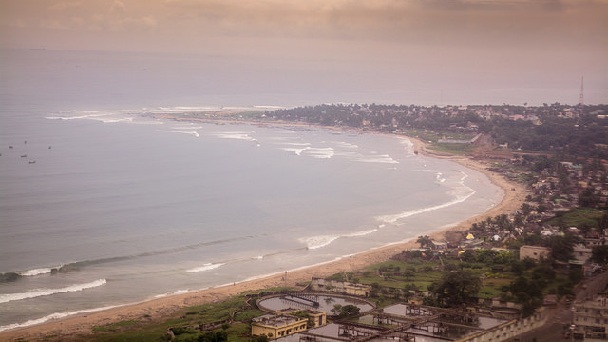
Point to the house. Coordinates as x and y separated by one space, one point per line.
582 253
534 252
278 325
439 245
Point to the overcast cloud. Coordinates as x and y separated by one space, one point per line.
510 40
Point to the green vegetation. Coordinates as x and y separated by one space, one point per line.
114 327
553 127
457 149
460 279
343 311
583 218
455 288
185 324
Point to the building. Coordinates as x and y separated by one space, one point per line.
279 325
534 252
591 316
324 285
582 253
317 319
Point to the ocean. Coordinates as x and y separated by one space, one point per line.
102 205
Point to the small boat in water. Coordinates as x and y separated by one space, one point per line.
24 156
32 162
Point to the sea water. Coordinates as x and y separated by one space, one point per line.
103 205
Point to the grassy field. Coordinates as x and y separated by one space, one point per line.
580 217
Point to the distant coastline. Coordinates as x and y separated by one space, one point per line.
82 324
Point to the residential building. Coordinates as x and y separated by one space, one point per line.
534 252
591 316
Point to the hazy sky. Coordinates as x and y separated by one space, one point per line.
395 47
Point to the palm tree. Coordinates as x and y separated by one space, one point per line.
424 241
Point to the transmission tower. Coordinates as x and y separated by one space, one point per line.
580 101
580 97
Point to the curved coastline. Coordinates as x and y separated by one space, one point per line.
157 308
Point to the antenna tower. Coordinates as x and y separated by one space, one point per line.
580 102
580 97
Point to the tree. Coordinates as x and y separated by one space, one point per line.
562 247
345 311
211 336
424 241
600 254
261 338
527 292
526 209
408 290
375 292
588 198
457 288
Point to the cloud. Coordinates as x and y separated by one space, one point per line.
403 23
392 20
117 6
65 5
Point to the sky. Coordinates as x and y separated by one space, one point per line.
513 51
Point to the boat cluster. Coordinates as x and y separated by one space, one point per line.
24 156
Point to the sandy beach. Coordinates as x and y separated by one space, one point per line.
78 326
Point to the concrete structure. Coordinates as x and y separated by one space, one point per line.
275 326
534 252
508 331
324 285
317 319
591 316
582 253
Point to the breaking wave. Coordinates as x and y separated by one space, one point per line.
461 194
9 297
78 265
320 241
56 315
205 268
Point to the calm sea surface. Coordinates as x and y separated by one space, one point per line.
129 208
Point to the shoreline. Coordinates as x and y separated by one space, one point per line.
156 309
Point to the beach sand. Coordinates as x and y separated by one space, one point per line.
78 326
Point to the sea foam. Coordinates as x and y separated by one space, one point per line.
190 132
383 158
56 315
38 271
204 268
320 241
461 194
8 297
235 135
